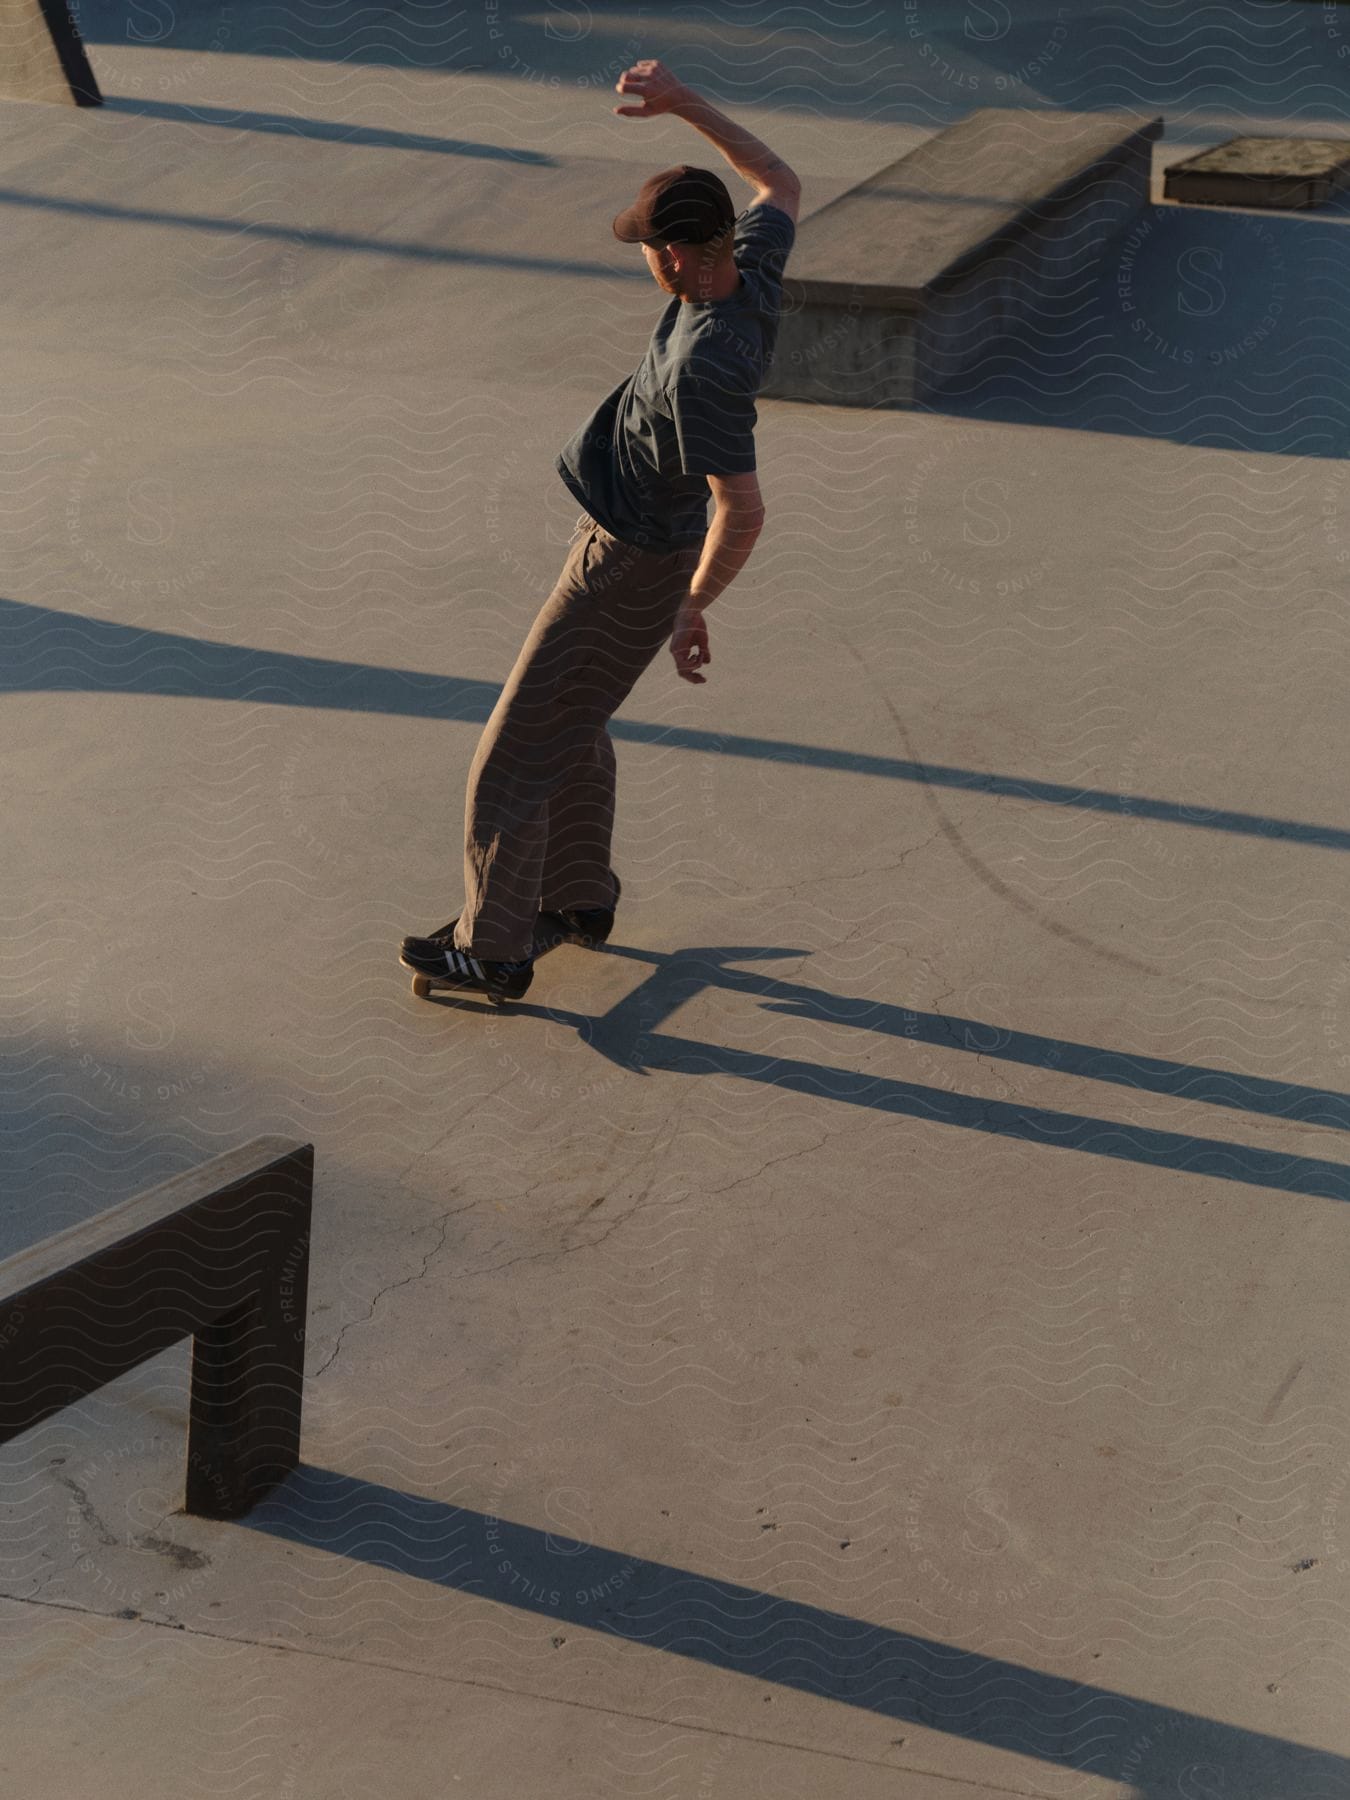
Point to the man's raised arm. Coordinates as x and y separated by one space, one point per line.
659 91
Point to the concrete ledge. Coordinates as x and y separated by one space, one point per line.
1287 173
900 284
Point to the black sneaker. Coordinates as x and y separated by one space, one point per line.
444 934
589 926
435 961
549 932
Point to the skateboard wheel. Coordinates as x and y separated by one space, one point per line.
421 986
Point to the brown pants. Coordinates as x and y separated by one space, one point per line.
539 813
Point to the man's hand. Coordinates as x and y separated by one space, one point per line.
689 642
658 90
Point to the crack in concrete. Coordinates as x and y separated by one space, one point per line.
404 1281
594 1243
652 1155
832 880
754 1175
44 1583
524 1257
85 1507
558 1250
458 1127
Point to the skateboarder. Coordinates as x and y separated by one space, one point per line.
644 564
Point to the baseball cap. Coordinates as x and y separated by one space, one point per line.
683 205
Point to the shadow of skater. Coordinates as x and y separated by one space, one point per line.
630 1034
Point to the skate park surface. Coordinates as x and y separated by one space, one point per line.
879 1329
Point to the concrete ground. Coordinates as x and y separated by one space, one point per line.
879 1332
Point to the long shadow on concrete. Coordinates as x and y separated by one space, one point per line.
46 650
1145 1074
313 238
1070 1725
630 1036
321 130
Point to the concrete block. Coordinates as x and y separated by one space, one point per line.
1260 171
896 287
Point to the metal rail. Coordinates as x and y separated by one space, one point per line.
221 1255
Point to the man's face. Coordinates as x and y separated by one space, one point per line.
664 267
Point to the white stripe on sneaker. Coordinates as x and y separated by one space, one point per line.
464 966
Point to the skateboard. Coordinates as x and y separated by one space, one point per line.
550 930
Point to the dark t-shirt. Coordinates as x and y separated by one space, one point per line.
640 463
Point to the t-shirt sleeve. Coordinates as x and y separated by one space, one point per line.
714 426
763 237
